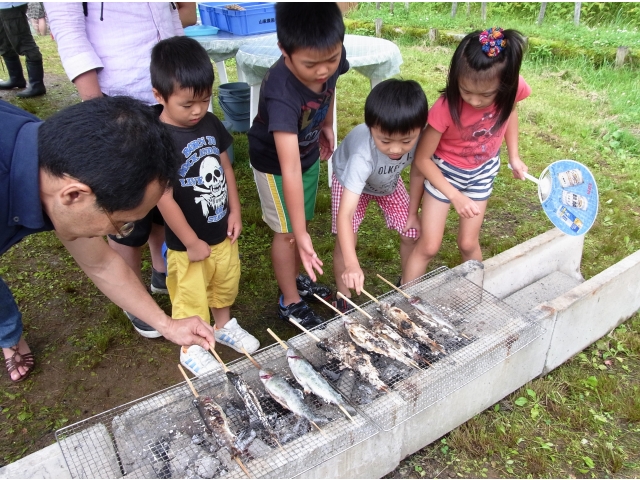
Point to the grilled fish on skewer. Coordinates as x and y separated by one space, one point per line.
432 315
349 357
216 422
287 396
312 381
409 347
251 402
406 327
365 338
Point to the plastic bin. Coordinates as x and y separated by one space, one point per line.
234 100
257 17
207 14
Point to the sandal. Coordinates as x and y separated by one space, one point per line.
25 360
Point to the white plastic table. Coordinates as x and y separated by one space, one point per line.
375 58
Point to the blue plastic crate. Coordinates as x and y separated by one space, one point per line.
207 13
257 17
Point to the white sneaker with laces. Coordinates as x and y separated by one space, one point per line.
236 337
198 361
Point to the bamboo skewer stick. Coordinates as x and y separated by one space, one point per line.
184 374
215 354
251 359
370 296
393 286
304 329
285 347
348 300
277 339
329 305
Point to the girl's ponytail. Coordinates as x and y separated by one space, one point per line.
483 55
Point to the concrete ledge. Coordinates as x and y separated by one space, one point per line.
532 260
594 308
45 463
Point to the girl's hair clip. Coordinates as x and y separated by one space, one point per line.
493 41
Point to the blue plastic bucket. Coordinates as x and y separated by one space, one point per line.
234 100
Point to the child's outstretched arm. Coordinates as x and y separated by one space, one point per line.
327 138
289 157
427 145
416 189
353 277
511 139
197 249
234 222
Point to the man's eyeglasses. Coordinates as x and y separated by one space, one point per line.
123 231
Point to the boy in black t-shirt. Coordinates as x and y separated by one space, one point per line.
202 211
293 128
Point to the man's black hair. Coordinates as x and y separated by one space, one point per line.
313 25
469 61
115 145
180 62
396 107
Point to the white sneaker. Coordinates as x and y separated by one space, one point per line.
236 337
198 361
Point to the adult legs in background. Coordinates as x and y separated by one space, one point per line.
11 334
16 39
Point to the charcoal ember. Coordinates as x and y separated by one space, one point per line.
197 439
245 437
206 467
260 448
289 427
331 371
364 394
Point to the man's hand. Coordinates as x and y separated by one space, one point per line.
234 226
353 278
465 207
309 258
326 142
189 331
198 251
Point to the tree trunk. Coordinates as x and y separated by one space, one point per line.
454 9
378 27
483 11
468 9
391 8
576 14
377 5
621 54
406 6
543 7
433 36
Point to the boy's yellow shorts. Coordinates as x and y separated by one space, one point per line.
196 286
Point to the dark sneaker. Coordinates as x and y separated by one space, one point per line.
141 327
307 288
301 313
158 282
342 305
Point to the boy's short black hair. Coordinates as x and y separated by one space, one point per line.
183 63
396 107
116 146
309 25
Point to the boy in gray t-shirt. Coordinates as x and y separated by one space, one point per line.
367 166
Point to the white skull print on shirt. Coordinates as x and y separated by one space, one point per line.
201 188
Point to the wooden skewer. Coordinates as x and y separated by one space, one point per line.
392 285
184 374
329 305
304 329
319 429
348 300
255 364
277 339
215 354
370 296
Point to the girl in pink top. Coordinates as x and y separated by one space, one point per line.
459 152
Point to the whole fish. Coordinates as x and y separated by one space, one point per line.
312 381
287 396
432 315
406 327
349 357
407 346
365 338
251 401
216 422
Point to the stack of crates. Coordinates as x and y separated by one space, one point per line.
256 17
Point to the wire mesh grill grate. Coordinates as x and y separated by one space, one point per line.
163 436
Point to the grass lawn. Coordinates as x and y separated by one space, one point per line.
581 420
